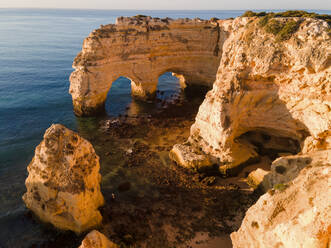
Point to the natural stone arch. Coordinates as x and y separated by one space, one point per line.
141 48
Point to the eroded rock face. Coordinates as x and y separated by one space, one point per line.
270 97
285 169
96 239
297 214
63 186
141 49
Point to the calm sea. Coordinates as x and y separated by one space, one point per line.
37 48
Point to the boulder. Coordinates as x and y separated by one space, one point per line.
96 239
63 185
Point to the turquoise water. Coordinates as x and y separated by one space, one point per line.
37 48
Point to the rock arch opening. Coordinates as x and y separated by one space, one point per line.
169 89
119 97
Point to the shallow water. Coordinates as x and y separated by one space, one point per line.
37 48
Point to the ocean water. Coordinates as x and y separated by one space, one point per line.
37 48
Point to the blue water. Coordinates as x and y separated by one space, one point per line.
37 48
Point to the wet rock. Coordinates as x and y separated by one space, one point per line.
124 187
63 185
209 181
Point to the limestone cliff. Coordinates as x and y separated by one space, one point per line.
271 96
141 49
297 214
63 186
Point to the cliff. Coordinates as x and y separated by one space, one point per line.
297 214
272 95
141 49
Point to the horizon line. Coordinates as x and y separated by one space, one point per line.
160 9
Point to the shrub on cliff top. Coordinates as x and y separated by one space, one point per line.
289 13
282 30
251 14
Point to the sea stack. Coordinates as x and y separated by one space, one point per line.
63 186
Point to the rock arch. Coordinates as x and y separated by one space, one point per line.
143 48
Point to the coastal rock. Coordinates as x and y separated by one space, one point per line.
285 169
270 97
142 48
255 178
297 214
183 155
63 186
96 239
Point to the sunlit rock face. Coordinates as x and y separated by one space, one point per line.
63 186
96 239
297 214
270 96
285 169
141 49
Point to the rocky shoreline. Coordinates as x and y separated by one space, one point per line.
269 110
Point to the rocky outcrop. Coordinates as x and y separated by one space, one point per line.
285 169
141 49
297 214
271 97
63 186
96 239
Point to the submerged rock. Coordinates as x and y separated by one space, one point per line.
63 186
96 239
297 214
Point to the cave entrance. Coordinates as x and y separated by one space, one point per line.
119 97
270 146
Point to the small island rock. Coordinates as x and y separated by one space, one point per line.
63 186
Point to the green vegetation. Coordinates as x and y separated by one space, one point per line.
289 13
283 30
252 14
280 187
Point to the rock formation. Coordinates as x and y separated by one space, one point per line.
63 186
297 214
141 49
270 97
285 169
96 239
